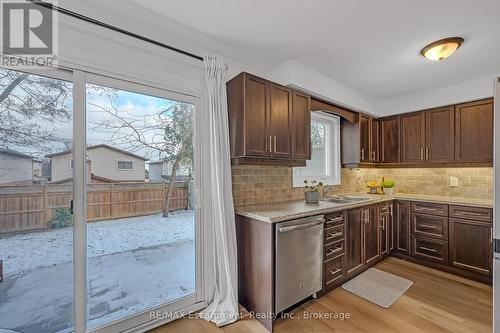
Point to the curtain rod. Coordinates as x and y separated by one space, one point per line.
111 27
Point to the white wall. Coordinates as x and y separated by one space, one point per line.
15 169
454 94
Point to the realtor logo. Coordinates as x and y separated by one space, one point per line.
29 34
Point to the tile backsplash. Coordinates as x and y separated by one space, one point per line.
261 184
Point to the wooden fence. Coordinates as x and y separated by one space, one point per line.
33 207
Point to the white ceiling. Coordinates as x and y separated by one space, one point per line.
371 46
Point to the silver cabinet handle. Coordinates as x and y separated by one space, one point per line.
335 271
300 226
333 251
383 223
362 154
427 249
426 226
464 212
336 219
427 153
275 143
422 153
337 234
373 155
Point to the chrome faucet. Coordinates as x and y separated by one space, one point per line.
326 189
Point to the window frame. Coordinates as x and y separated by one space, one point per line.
333 174
124 161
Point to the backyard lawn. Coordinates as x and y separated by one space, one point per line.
133 264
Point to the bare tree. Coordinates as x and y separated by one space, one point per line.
167 132
27 101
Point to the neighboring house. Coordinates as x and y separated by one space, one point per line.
104 161
15 167
161 170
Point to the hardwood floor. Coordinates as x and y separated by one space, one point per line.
436 302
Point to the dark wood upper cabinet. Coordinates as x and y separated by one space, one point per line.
390 140
474 132
280 122
248 107
375 141
413 138
440 135
354 240
364 138
471 245
302 126
268 123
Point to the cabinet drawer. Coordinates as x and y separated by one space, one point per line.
430 249
333 270
430 226
472 213
334 219
334 250
429 208
333 234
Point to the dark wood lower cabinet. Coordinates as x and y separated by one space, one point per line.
354 241
471 245
359 238
371 234
402 228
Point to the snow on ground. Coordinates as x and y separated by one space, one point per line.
21 253
134 264
120 284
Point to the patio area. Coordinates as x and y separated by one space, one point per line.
133 264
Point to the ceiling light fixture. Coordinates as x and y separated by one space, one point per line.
442 49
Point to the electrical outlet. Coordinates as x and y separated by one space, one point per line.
453 181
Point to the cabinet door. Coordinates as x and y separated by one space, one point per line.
440 135
256 117
354 241
402 230
390 140
413 138
474 132
301 126
471 245
371 234
375 141
364 138
280 123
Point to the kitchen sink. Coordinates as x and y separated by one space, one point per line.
346 199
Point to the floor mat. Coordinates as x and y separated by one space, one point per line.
378 287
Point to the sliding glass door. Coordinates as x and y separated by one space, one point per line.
141 218
36 225
127 162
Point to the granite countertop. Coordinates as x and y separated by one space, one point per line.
287 210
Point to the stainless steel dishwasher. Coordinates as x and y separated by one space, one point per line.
299 260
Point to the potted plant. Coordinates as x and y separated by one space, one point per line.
388 186
311 191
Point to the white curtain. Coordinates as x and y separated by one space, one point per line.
223 307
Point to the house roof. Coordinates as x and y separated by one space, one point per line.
101 146
15 153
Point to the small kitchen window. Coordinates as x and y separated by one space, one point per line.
324 164
125 165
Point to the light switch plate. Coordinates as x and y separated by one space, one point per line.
453 181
